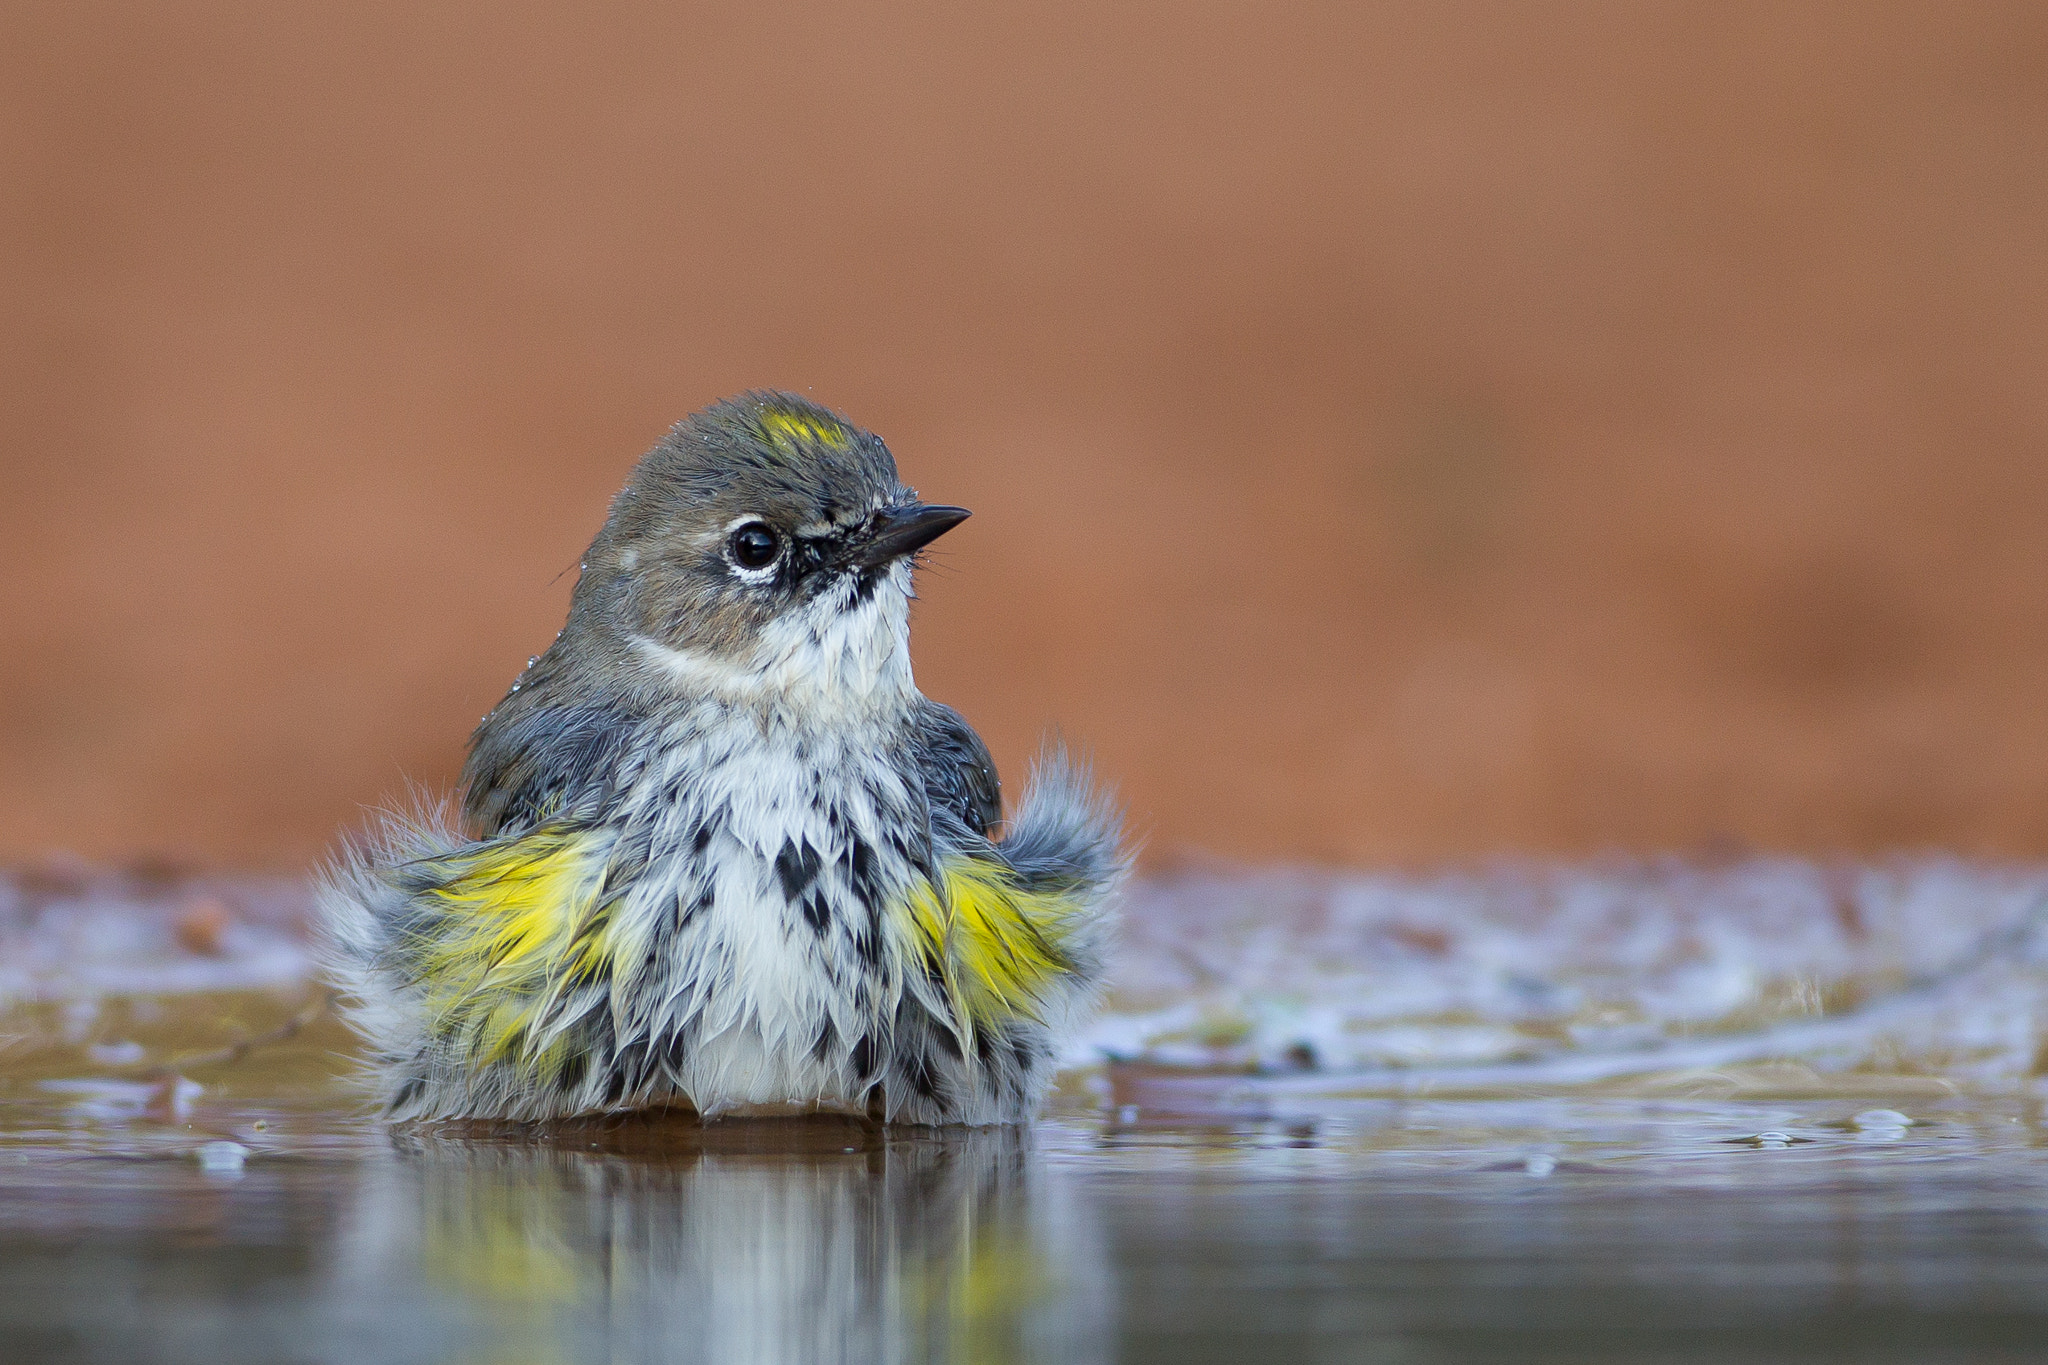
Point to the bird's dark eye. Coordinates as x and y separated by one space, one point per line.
754 546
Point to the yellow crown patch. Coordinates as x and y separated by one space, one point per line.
788 430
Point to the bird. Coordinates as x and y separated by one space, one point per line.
713 851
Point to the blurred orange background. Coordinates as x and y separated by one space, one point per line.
1396 431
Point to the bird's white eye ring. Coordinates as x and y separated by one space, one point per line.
753 545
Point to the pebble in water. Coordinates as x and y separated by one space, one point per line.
1881 1125
222 1158
201 924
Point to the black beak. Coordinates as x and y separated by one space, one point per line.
904 530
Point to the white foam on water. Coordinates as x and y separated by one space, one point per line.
1576 973
101 932
1508 974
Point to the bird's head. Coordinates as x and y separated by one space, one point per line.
763 549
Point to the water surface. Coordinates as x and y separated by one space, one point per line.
260 1220
1619 1116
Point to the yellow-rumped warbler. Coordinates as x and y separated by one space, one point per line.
720 852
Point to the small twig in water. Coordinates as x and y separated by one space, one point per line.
235 1052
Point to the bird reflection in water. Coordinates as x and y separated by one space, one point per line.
745 1240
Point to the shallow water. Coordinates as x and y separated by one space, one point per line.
1851 1173
251 1216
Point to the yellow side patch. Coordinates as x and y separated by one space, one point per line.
512 926
790 429
997 945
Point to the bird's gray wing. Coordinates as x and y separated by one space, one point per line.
539 761
959 776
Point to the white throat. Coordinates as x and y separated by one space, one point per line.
830 657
